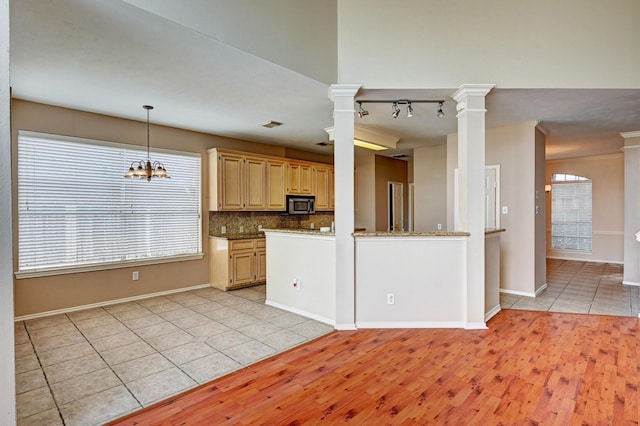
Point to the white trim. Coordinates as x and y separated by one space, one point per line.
346 327
316 317
615 233
105 266
344 90
310 235
631 283
628 135
471 89
492 312
588 158
476 326
109 302
517 292
411 324
542 288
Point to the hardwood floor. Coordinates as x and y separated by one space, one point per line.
529 368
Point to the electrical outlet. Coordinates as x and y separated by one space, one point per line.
391 299
241 229
259 227
439 227
296 283
135 276
505 210
312 225
223 229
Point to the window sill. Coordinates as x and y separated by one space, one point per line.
106 266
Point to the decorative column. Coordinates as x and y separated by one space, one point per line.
471 196
343 96
631 208
7 366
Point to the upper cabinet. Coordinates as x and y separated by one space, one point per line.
323 187
241 181
300 176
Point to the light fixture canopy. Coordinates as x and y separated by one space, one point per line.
147 169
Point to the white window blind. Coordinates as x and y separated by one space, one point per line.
571 221
75 208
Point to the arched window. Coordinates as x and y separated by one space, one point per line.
570 212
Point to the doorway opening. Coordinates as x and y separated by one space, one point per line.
395 206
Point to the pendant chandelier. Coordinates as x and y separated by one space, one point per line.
146 169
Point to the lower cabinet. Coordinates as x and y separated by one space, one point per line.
237 263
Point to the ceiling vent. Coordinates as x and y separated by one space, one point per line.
400 156
324 144
271 124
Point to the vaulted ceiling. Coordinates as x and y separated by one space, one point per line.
224 67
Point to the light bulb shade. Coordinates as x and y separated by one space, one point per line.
440 113
395 111
131 173
140 172
409 110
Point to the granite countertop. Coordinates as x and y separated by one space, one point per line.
493 231
411 234
314 231
239 236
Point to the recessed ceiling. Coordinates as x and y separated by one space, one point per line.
112 57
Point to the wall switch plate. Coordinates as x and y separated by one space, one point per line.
505 210
439 227
223 229
312 225
391 299
241 229
135 276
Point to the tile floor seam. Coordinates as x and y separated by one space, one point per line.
45 377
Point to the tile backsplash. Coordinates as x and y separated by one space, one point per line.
273 220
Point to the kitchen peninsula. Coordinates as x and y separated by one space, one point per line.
403 279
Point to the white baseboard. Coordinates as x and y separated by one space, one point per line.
517 292
541 289
316 317
560 257
476 326
108 302
492 312
631 283
411 324
346 327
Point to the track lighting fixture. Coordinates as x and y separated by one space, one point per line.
409 110
361 111
395 108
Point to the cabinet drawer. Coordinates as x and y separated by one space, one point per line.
261 243
241 245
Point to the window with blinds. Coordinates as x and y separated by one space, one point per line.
571 227
76 210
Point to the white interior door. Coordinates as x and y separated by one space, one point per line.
396 202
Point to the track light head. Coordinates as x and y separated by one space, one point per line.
409 110
440 113
395 110
361 111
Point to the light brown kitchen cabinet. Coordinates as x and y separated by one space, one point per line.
276 185
322 187
236 181
300 178
237 263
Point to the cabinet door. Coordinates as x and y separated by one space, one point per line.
300 178
276 176
242 265
231 182
256 179
261 265
322 176
306 179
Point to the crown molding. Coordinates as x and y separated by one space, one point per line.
629 135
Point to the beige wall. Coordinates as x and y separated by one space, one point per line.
514 149
430 175
43 294
388 170
607 175
365 190
515 44
541 218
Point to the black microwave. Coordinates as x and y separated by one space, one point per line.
301 204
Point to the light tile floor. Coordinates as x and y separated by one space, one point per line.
581 287
90 366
